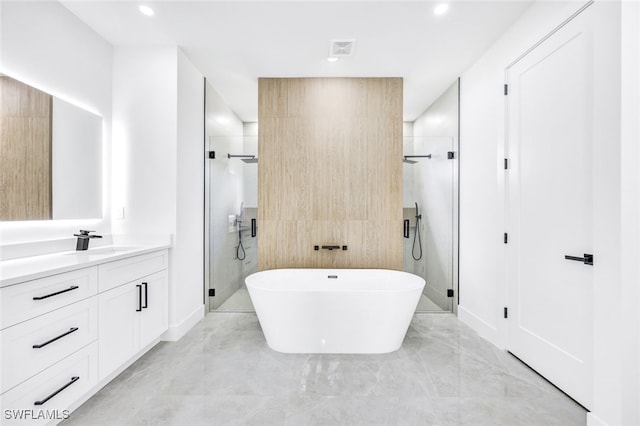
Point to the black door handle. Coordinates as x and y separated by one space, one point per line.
42 401
146 296
139 298
587 259
42 345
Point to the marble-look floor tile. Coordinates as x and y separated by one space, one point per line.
365 411
223 373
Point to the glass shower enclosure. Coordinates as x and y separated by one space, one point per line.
232 219
430 201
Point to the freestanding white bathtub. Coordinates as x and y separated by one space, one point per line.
348 311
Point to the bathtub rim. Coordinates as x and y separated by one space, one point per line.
417 282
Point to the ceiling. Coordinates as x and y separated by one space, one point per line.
234 42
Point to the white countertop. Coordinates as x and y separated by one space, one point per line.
30 268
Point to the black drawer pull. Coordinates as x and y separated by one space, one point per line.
146 296
73 287
139 298
587 259
73 380
42 345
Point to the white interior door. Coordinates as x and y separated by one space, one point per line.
550 208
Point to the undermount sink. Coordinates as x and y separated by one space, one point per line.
103 251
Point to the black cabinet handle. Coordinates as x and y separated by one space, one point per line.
254 230
139 298
146 296
330 248
587 259
406 228
42 401
42 345
73 287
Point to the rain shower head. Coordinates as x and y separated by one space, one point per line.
245 158
405 159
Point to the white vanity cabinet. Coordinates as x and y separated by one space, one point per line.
48 349
132 316
133 307
67 328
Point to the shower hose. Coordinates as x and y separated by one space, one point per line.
240 253
416 236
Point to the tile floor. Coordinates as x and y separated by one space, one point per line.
223 373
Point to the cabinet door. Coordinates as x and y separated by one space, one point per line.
118 325
154 316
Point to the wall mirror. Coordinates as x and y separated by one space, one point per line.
50 156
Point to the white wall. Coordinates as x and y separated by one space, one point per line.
144 139
47 47
483 287
158 124
630 220
186 292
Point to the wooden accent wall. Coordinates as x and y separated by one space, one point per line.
330 172
25 151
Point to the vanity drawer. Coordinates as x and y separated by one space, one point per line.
57 334
114 274
52 391
27 300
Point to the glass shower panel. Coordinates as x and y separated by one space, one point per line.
232 216
429 206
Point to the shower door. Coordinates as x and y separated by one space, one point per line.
232 221
429 200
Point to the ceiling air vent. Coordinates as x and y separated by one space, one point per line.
342 47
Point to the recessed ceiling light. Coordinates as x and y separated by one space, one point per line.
441 8
146 10
332 59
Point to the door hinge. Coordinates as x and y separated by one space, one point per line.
506 163
451 155
506 312
506 89
449 292
212 292
212 155
506 238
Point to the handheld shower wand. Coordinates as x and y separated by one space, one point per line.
417 236
240 253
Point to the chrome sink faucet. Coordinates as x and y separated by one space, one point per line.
83 239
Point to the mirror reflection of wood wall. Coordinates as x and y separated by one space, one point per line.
25 151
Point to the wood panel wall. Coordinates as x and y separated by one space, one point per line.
330 172
25 151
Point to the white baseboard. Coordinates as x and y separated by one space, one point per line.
480 326
176 331
593 420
